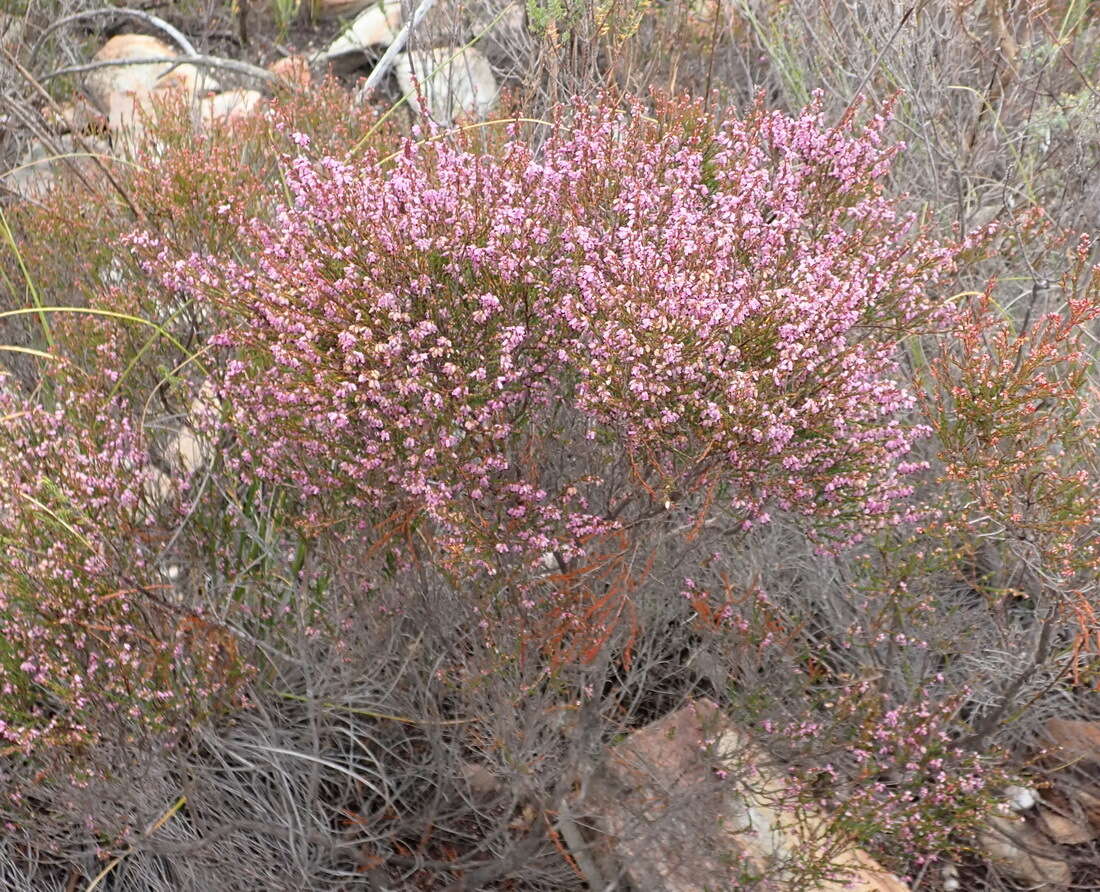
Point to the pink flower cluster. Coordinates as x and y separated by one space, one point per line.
477 336
911 788
91 643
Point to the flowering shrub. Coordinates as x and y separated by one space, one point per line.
1012 408
88 637
519 397
99 645
477 336
871 736
897 779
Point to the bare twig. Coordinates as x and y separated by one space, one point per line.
199 61
37 86
386 62
159 23
1040 654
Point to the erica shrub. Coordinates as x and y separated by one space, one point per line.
508 392
1013 407
475 337
94 643
103 656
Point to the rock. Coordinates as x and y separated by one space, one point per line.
332 9
140 79
1064 831
1088 799
450 81
699 18
159 488
228 108
12 33
79 116
690 805
1022 852
33 175
188 450
1020 799
865 874
375 26
1073 742
293 71
503 30
39 169
128 112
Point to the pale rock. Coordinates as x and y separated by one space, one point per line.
158 487
332 9
293 71
12 32
185 81
128 112
1019 799
132 115
228 108
699 18
1089 802
79 116
502 29
1088 799
1064 831
1022 852
188 450
449 82
191 450
38 170
678 825
205 406
376 25
33 176
140 79
1073 741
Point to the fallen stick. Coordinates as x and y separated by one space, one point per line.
157 22
199 61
